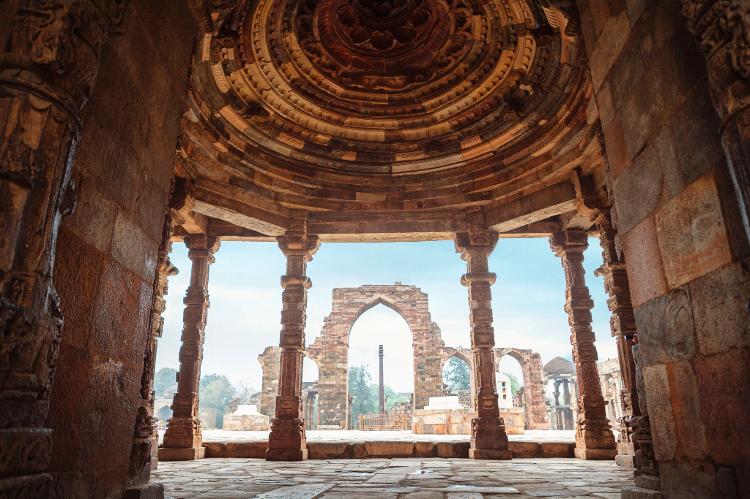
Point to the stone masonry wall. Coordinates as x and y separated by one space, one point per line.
107 250
679 227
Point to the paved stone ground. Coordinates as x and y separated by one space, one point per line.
212 435
392 478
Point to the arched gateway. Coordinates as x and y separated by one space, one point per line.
331 349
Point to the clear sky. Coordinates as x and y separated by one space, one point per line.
245 295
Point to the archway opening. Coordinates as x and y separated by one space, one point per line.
457 380
510 382
380 325
310 377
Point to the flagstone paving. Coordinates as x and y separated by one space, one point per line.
392 478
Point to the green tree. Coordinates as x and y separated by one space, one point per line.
391 397
363 401
165 382
216 391
456 375
514 384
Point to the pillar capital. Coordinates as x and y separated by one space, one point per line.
475 243
297 243
202 247
569 241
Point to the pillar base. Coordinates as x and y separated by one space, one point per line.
595 454
625 455
187 454
490 454
147 491
286 455
38 485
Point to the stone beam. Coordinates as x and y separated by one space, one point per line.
540 205
239 214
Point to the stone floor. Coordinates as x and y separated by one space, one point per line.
392 478
213 435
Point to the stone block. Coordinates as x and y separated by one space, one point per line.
189 454
358 450
133 248
452 449
665 329
525 449
328 450
686 410
595 454
215 449
638 189
425 449
256 450
691 233
645 270
615 31
490 454
723 386
557 449
389 449
683 479
658 398
722 318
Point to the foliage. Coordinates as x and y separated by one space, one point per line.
246 394
456 375
363 401
391 397
165 382
514 384
216 391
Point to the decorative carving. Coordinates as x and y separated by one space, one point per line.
488 437
594 439
622 321
286 441
183 428
48 63
722 30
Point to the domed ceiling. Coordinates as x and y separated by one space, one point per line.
370 105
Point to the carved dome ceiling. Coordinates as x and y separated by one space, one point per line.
357 105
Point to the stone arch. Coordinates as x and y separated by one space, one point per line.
465 355
533 382
332 346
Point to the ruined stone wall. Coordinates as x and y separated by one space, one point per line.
679 227
533 382
331 348
270 363
107 250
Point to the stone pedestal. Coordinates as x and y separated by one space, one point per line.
183 439
49 61
286 441
488 437
594 438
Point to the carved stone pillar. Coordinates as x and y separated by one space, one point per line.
647 481
488 437
49 57
287 439
622 325
722 29
183 439
594 438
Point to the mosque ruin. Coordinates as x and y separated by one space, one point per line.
132 125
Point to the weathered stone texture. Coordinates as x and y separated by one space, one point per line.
107 251
678 220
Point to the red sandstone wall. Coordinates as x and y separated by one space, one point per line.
106 251
678 223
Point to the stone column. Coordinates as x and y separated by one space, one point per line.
287 439
622 325
722 30
488 437
594 438
183 439
49 57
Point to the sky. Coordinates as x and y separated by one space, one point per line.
245 296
